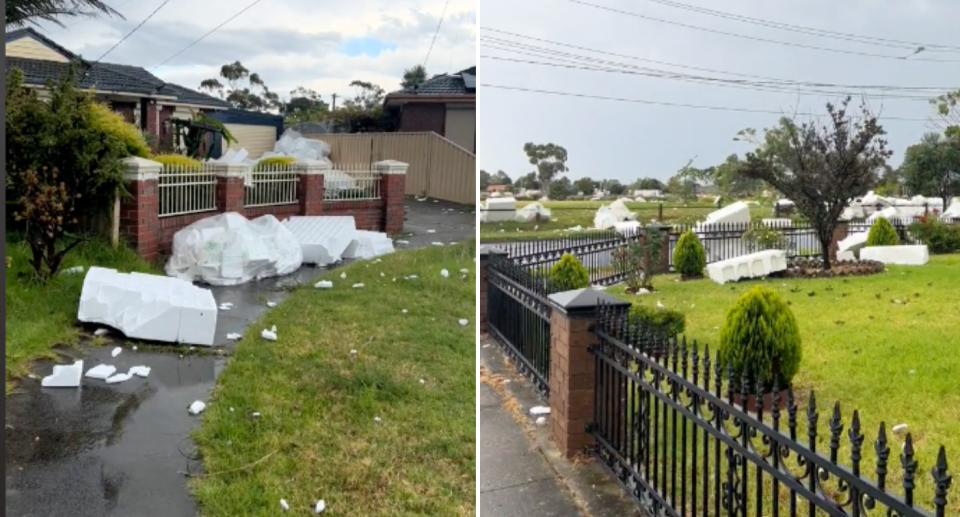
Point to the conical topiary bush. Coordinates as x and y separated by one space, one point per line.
689 259
882 233
568 274
760 337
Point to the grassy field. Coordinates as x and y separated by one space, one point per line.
570 214
40 317
886 345
387 431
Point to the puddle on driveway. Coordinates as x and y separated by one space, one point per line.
121 449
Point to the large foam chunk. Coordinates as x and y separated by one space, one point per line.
368 245
322 239
149 307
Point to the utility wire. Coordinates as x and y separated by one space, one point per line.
135 29
845 36
518 45
754 38
201 38
671 104
436 32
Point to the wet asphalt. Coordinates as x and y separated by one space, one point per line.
124 449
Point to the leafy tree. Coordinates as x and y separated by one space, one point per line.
484 179
305 105
550 160
648 184
364 112
615 187
932 167
413 76
243 89
948 111
820 167
729 180
528 181
585 185
560 189
500 178
684 188
23 12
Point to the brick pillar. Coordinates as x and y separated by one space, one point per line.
310 189
140 213
573 367
485 252
839 233
153 118
393 187
230 186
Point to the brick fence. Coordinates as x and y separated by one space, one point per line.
151 234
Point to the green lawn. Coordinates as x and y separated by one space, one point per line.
895 362
40 317
569 214
317 429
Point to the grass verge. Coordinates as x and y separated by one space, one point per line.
570 214
40 317
318 403
884 344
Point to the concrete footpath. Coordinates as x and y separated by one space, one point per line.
519 470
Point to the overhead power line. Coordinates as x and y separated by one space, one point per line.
518 46
754 38
436 32
673 104
135 29
201 38
845 36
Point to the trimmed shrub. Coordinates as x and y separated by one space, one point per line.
882 233
760 337
762 238
177 160
273 161
113 123
661 324
689 259
940 237
568 273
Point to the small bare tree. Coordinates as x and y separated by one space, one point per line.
820 167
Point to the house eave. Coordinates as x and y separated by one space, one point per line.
400 99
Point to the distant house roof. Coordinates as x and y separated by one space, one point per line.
496 188
461 86
104 77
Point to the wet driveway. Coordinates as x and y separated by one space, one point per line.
123 449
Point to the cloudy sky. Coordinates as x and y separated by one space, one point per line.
290 43
627 140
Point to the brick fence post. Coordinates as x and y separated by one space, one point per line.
140 213
393 186
310 188
573 367
839 233
484 253
230 186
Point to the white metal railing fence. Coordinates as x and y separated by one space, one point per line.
272 184
351 182
185 189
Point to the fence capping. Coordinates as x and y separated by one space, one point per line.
487 250
391 167
141 169
312 167
230 170
584 302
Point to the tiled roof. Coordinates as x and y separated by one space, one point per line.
444 85
103 76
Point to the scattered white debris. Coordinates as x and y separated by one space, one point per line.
197 407
485 346
402 242
120 377
226 306
899 429
353 352
422 381
404 311
431 231
444 273
73 270
320 507
271 304
463 323
540 410
357 286
116 351
465 271
139 371
100 332
255 414
233 336
541 420
377 419
659 305
413 277
437 243
134 348
323 284
269 335
284 505
382 275
343 275
231 410
101 371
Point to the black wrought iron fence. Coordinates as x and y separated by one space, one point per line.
673 428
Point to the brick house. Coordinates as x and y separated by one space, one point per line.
141 97
445 104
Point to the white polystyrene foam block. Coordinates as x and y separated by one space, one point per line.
754 265
897 255
499 209
368 245
323 239
738 212
149 307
